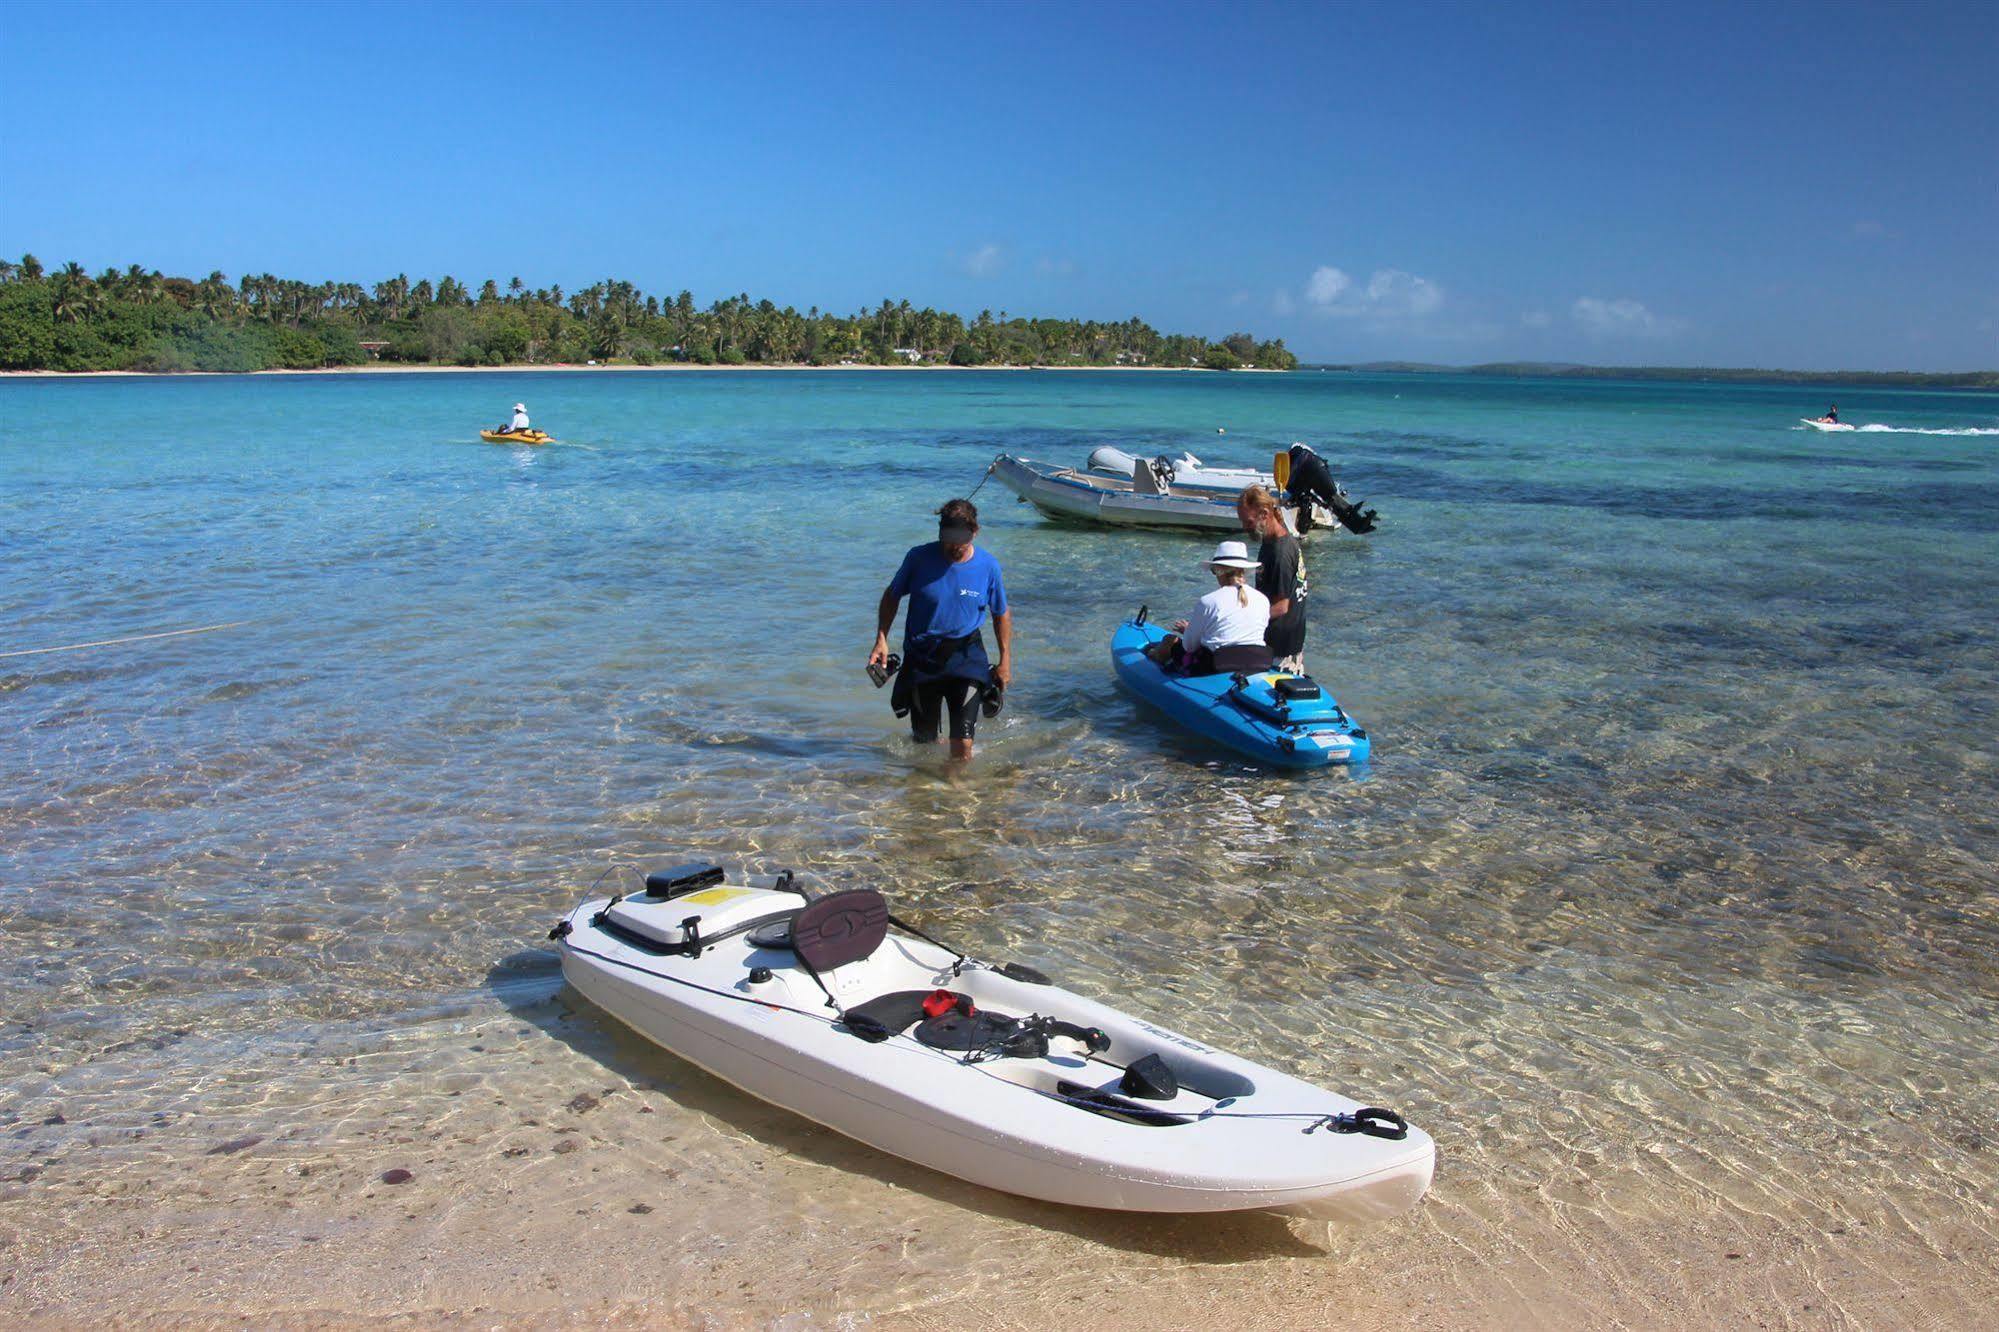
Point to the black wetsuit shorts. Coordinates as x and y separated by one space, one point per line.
930 699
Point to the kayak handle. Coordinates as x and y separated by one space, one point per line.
1369 1119
1140 617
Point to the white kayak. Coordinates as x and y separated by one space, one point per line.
1186 472
981 1071
1818 424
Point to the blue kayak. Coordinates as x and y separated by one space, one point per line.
1273 716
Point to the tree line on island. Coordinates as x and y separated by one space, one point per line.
138 319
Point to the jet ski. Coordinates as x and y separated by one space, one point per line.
1275 717
835 1009
1820 423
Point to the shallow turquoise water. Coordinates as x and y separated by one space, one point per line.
1675 858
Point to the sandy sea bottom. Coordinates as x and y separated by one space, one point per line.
1668 905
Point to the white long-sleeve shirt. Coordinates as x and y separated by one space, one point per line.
520 421
1221 620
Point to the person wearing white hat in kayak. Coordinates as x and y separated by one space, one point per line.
519 423
1225 632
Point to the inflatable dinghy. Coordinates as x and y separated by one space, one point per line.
986 1072
1275 717
1186 472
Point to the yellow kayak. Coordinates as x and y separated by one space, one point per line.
516 436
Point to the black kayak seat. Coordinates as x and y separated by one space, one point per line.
840 928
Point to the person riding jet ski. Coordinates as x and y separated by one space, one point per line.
1311 482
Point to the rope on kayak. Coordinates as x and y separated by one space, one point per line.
1371 1120
113 642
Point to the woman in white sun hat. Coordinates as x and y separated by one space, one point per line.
1225 632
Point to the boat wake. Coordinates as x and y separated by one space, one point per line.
1921 430
1918 430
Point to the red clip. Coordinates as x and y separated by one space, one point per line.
939 1002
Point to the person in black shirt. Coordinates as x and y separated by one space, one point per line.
1280 576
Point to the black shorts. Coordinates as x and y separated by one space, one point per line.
929 698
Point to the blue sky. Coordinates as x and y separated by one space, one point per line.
1731 184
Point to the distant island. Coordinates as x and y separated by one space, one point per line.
1967 379
136 319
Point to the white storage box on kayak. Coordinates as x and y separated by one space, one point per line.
715 911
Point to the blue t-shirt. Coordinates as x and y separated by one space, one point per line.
947 600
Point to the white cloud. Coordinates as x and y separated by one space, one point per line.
1325 285
1537 319
1389 295
1620 318
1392 291
986 261
1281 302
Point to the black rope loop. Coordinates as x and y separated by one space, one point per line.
1369 1119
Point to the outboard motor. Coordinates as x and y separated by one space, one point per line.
1311 483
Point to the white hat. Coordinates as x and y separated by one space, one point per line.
520 406
1230 555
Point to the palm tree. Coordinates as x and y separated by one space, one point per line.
392 295
214 296
72 292
31 268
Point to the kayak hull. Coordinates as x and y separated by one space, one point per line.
514 437
1208 706
996 1123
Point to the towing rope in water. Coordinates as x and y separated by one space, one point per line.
982 480
113 642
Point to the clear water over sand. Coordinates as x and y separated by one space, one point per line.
1668 904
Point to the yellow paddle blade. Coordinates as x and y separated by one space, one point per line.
1280 469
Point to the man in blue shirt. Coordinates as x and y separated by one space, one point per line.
952 587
